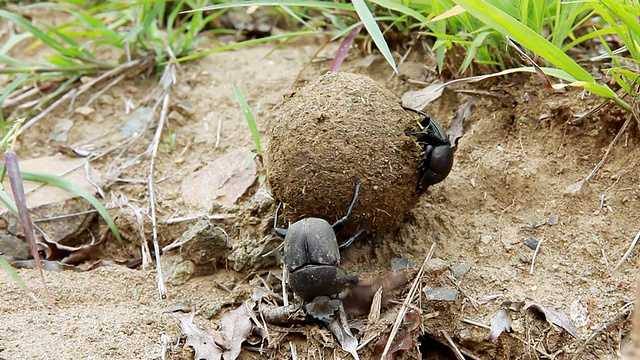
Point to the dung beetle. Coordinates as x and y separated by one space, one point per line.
437 157
312 254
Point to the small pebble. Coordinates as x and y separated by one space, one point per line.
531 243
441 294
459 270
553 220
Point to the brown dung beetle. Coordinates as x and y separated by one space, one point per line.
437 158
312 254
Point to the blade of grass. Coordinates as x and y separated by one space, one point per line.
15 178
376 35
70 187
507 25
251 121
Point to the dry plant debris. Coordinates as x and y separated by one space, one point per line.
500 322
226 343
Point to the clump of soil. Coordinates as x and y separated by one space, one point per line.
339 129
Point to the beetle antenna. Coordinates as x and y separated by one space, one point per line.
279 231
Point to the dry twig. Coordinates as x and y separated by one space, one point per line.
535 254
626 254
405 304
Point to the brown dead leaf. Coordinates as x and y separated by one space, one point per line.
222 181
419 99
235 327
456 128
405 338
500 322
554 316
201 341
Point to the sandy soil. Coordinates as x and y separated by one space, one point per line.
521 150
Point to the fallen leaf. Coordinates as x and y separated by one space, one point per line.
405 338
456 128
340 329
222 181
500 322
419 99
554 316
201 341
323 308
235 327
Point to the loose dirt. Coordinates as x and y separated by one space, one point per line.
522 151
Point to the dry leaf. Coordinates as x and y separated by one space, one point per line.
456 128
222 181
201 341
405 338
235 327
500 322
340 329
419 99
554 317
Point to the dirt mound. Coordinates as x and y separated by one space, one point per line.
341 128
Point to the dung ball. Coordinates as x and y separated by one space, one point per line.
336 130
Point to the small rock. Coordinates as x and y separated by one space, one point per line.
84 110
485 239
436 266
60 131
203 243
14 247
440 294
176 118
180 305
553 219
182 272
531 243
459 270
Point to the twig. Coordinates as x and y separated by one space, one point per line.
606 154
626 255
46 111
218 133
452 345
152 198
535 254
407 300
478 324
623 311
194 217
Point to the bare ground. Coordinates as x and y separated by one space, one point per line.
522 149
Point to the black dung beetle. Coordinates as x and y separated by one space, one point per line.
312 254
437 159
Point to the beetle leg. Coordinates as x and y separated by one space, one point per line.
279 231
339 225
350 240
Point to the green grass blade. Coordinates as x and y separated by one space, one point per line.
507 25
373 29
246 110
14 275
66 185
303 3
395 6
